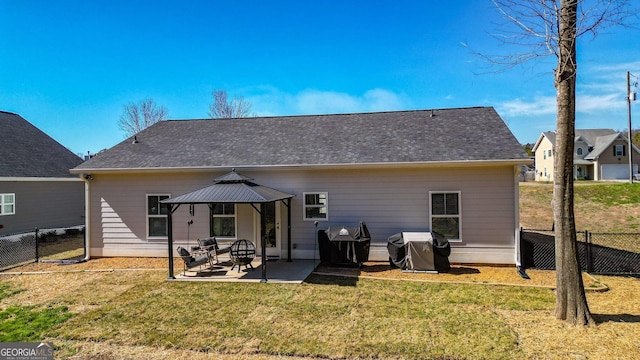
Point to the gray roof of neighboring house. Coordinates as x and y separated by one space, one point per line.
26 151
589 135
444 135
602 144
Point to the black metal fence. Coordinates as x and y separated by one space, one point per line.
42 245
598 253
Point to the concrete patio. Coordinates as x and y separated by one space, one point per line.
278 271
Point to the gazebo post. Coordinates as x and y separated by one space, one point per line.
170 210
288 205
263 245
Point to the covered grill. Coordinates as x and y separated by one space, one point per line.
344 245
419 251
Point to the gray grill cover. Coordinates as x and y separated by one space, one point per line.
419 251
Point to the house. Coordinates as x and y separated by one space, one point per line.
600 154
36 187
454 171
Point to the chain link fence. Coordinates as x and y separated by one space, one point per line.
46 245
17 250
598 253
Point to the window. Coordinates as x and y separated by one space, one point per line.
157 216
316 206
544 155
445 214
223 220
618 150
7 204
579 151
550 153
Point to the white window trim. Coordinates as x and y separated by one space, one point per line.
616 147
3 204
235 222
147 216
431 216
305 206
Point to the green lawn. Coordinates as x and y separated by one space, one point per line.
326 317
599 207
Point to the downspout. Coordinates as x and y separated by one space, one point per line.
87 218
516 216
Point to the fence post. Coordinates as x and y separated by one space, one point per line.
37 245
587 236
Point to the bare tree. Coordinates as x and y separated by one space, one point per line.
222 107
551 27
137 117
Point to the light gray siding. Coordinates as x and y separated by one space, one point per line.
43 204
389 200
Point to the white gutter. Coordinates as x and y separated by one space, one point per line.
40 179
478 163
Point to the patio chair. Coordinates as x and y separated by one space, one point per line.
210 245
193 259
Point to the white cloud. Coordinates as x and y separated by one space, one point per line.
593 103
539 105
271 101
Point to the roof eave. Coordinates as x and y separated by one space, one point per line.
457 163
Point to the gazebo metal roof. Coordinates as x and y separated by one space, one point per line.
230 188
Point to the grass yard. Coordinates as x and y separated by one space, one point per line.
138 315
90 312
599 207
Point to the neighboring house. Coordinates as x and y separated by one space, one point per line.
599 154
454 171
36 187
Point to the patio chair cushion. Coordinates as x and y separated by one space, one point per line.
213 244
184 254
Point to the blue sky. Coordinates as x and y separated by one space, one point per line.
69 67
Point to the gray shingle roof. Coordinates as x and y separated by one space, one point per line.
26 151
590 136
602 143
462 134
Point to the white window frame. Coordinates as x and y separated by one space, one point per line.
618 153
305 206
149 216
550 153
4 203
579 151
459 215
235 222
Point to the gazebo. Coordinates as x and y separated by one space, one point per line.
232 188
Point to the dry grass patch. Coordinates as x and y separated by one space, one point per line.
617 313
463 274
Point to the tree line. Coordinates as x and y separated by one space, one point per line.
138 116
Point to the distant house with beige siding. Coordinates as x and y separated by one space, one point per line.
454 171
599 154
36 187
